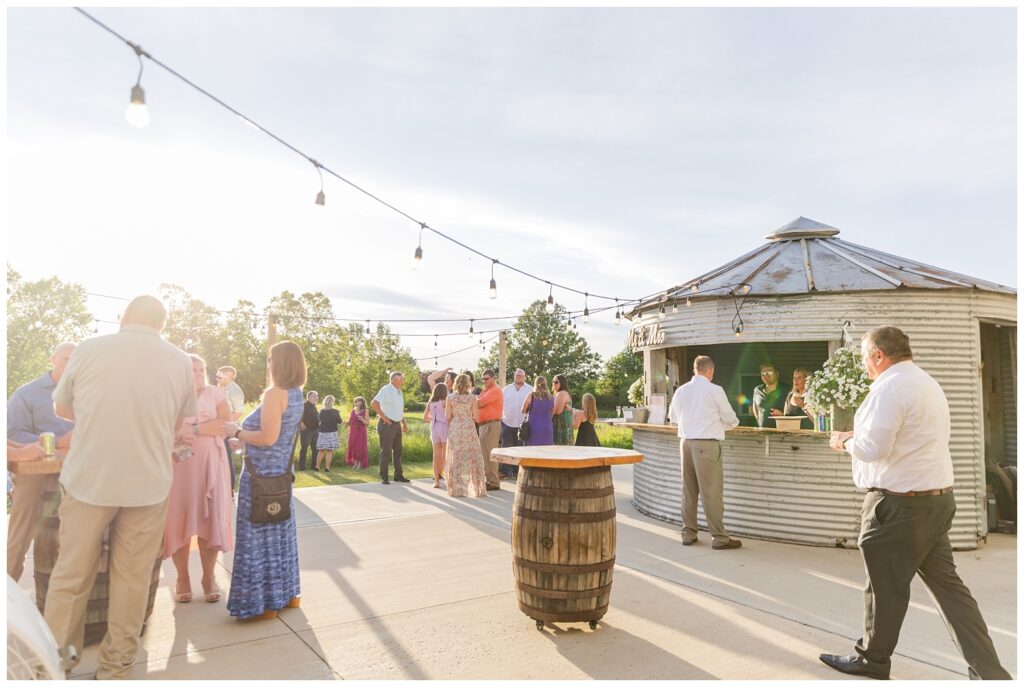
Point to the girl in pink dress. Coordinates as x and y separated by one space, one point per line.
200 503
435 415
358 453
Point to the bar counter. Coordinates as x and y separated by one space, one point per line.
779 485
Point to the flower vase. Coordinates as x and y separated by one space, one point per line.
842 418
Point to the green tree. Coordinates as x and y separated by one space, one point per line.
40 315
542 344
369 362
619 372
308 320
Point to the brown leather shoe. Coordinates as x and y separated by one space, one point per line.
731 544
496 487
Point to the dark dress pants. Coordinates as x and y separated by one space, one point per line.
906 535
390 448
509 437
307 439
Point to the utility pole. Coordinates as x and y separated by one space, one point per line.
271 340
502 356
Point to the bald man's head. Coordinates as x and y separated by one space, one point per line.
145 310
59 359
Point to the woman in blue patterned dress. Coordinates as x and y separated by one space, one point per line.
265 574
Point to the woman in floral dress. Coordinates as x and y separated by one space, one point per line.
265 574
562 411
464 462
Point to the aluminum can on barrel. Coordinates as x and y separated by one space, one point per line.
49 443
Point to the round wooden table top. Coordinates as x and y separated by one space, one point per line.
564 457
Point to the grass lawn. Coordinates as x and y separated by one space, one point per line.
416 455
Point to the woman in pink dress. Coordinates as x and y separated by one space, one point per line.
438 419
464 462
358 453
200 503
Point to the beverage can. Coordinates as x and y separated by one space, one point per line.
49 443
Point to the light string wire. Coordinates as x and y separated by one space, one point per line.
323 168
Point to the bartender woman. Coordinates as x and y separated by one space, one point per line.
795 404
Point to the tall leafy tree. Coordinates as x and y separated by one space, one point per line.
542 344
40 315
619 372
369 362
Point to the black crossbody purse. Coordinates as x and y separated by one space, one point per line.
524 430
271 496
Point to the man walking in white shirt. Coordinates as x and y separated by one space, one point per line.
703 414
900 451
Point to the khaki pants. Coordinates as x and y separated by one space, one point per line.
21 525
490 436
702 475
136 535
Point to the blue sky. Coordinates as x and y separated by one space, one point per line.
618 151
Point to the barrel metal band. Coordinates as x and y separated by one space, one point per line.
572 493
548 516
565 593
565 569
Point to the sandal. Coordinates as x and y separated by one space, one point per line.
181 597
212 596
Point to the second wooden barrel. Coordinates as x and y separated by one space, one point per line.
563 543
45 550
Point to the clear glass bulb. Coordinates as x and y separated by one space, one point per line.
137 115
494 289
550 307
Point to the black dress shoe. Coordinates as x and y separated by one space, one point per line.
855 664
401 479
384 481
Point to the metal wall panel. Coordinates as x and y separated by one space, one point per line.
944 334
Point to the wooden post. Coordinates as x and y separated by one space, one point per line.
502 357
271 340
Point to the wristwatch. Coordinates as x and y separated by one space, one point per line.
237 432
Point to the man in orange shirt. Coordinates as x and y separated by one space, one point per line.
490 404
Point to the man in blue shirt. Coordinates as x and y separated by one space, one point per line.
29 414
389 404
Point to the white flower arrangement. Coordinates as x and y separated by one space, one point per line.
842 381
636 392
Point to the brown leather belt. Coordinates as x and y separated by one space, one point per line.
487 422
926 492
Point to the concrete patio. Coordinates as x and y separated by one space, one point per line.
402 582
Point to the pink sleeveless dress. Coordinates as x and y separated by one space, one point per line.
200 500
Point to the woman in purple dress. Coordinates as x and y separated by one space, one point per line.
539 405
435 415
358 453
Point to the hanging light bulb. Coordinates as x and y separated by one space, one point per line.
568 323
137 114
435 341
586 308
688 304
494 284
348 361
471 329
695 288
417 258
320 197
435 362
618 317
675 307
366 332
550 307
661 312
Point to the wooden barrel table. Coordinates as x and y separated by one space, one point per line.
46 548
563 530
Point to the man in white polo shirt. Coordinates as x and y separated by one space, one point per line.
389 404
900 451
703 414
127 394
